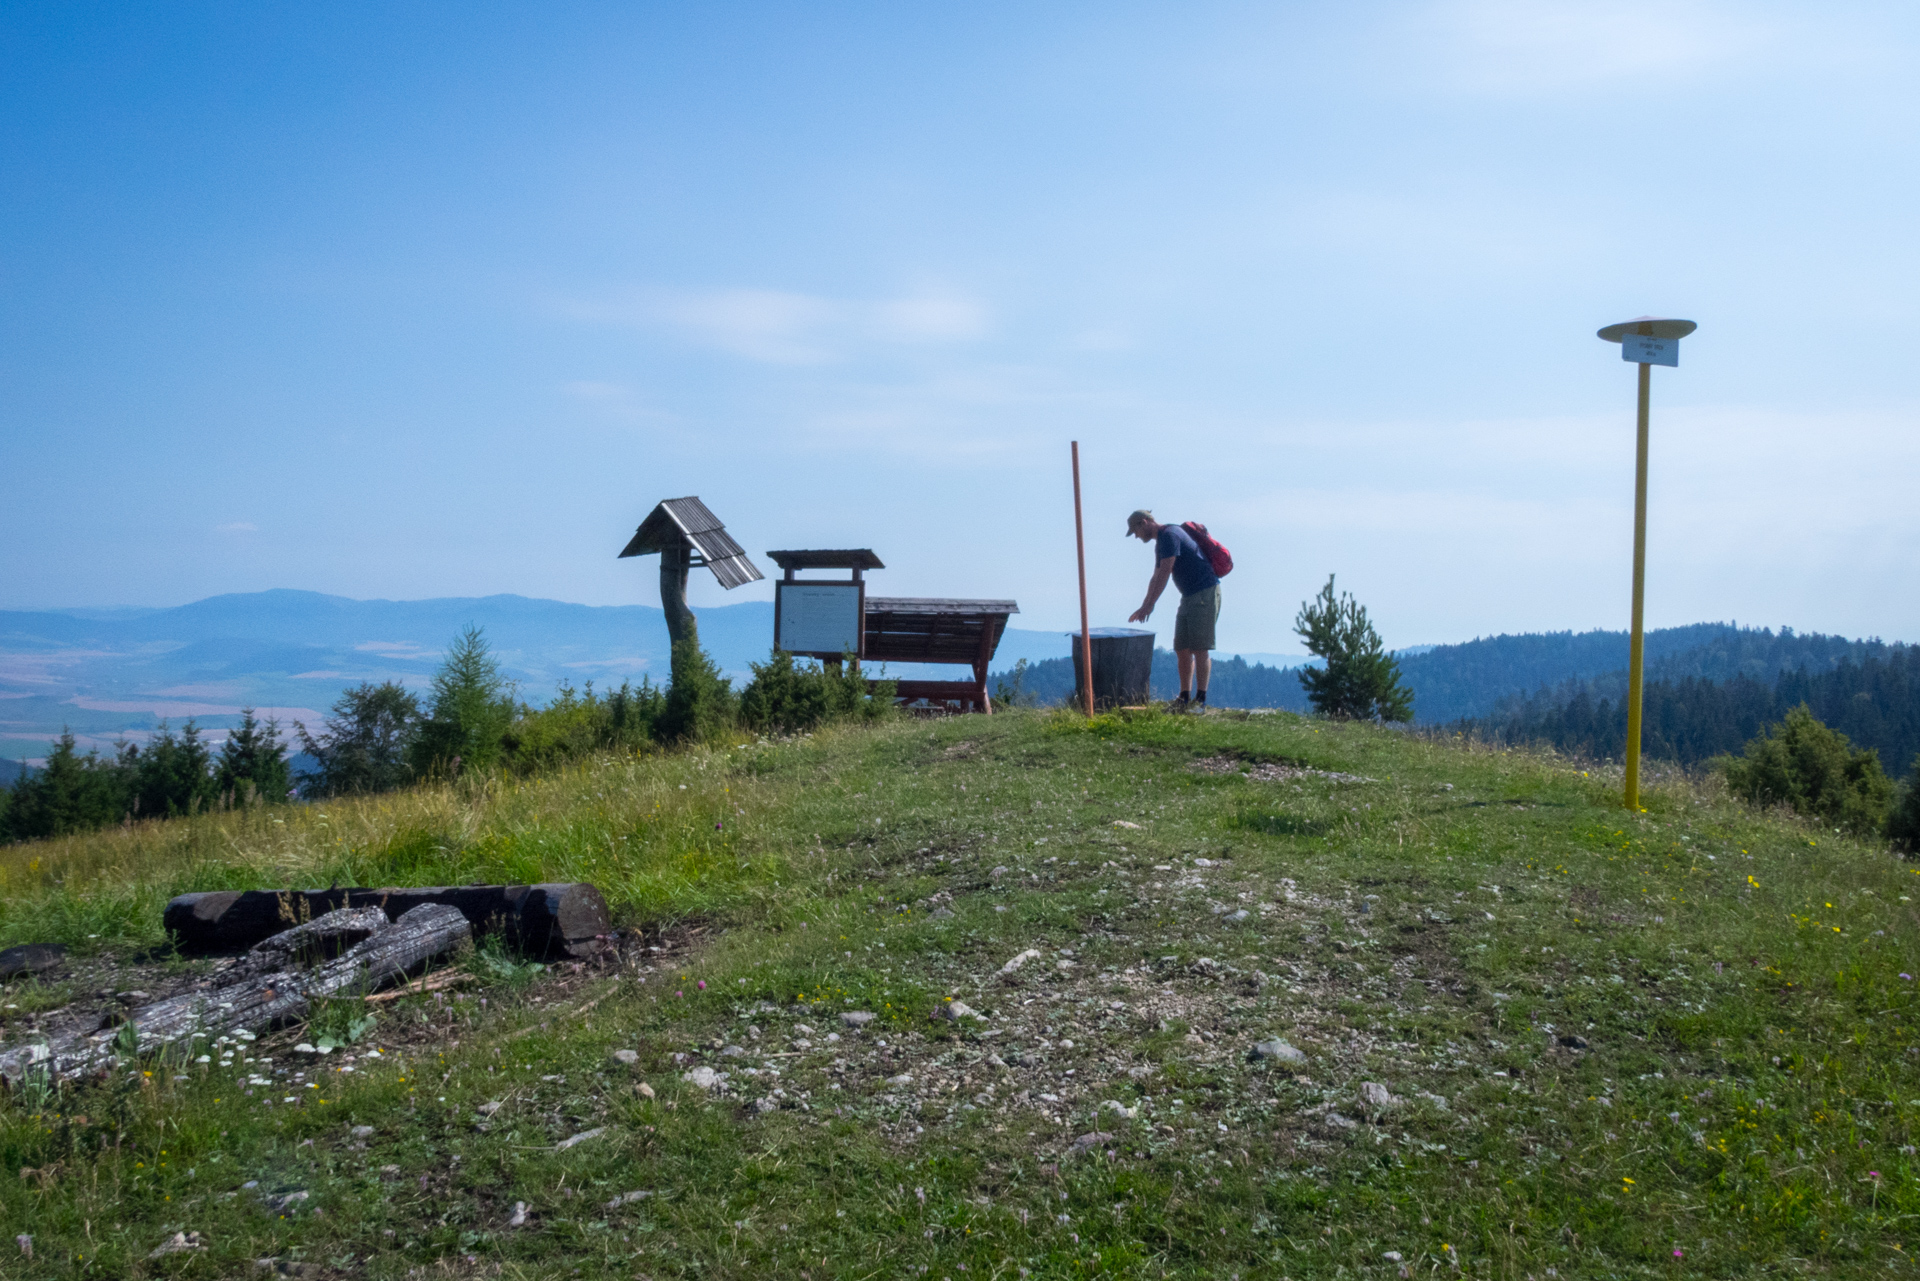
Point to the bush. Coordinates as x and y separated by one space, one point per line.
1903 824
576 724
1801 763
700 704
785 698
1360 681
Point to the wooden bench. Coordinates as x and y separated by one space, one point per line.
911 629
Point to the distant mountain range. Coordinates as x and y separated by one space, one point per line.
108 674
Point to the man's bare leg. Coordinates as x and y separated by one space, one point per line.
1185 658
1202 669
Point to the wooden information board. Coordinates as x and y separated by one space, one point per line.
819 620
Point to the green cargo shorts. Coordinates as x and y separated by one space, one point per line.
1193 624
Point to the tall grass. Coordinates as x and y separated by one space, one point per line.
660 834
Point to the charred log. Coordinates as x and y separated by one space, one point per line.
539 920
255 1003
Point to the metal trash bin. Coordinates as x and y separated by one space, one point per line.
1122 667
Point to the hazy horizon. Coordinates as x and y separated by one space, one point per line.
440 300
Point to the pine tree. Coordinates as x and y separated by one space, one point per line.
365 743
70 793
253 763
171 774
1360 680
470 710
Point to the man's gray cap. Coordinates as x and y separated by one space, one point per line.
1139 515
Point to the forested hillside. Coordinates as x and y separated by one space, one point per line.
1875 702
1492 677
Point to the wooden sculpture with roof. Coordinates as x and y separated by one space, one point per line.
687 535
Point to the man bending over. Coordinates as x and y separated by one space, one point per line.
1178 557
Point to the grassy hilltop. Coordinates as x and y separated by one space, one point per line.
1540 1036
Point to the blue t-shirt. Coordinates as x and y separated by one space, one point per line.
1191 572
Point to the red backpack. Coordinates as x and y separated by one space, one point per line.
1212 548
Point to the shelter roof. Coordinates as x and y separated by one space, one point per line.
938 605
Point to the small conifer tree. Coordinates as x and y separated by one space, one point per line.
1802 763
700 702
172 774
71 793
470 710
1360 680
252 766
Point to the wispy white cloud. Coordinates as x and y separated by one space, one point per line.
237 527
782 328
1529 46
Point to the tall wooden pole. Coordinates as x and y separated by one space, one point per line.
674 565
1080 547
1636 651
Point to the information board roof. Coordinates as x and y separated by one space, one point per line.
844 558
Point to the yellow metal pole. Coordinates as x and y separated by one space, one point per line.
1636 651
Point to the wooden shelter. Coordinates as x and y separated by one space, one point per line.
909 629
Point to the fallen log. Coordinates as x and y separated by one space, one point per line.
322 938
258 1001
567 919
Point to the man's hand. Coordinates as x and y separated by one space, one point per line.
1161 572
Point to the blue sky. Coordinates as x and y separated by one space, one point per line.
408 301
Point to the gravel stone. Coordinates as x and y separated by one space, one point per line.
1279 1051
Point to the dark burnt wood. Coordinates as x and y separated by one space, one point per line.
541 920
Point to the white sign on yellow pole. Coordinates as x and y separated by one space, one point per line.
1646 341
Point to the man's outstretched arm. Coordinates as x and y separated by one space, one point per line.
1161 573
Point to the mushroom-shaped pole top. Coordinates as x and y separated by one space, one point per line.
1648 327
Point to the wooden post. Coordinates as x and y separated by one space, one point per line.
1636 646
674 564
1080 549
983 702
